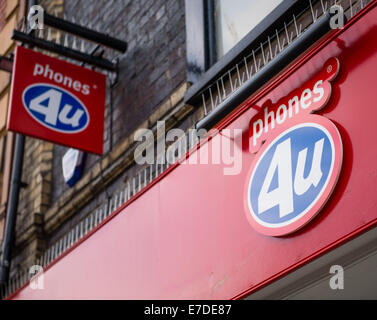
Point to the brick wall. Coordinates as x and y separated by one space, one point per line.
3 78
3 10
34 198
152 68
151 71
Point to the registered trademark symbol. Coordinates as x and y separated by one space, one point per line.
329 69
95 86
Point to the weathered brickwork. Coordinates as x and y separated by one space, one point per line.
152 68
34 198
3 8
10 14
151 82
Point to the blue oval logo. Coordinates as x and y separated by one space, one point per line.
56 108
293 177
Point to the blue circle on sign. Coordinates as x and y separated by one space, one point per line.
291 175
55 108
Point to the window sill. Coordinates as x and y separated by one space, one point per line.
273 21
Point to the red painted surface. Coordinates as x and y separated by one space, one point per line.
187 236
327 191
317 101
88 86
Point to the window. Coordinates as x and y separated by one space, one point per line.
234 20
220 32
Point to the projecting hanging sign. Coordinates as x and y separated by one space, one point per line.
57 101
297 167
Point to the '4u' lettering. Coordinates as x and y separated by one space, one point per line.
293 175
281 163
56 108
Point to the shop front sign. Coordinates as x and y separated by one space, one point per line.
57 101
298 158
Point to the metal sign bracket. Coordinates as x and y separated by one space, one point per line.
93 59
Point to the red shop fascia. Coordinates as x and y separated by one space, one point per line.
236 234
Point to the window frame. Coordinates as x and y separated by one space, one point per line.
202 69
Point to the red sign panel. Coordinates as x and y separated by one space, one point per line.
57 101
303 150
